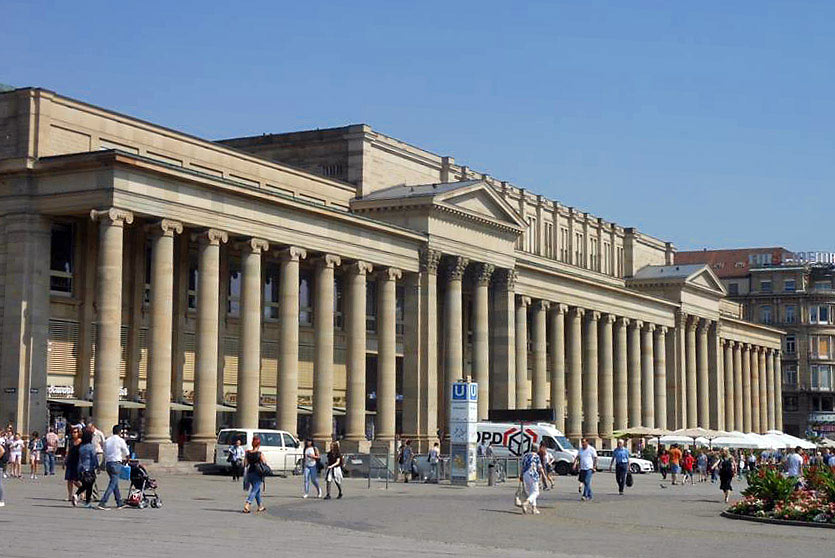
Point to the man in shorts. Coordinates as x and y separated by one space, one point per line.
675 463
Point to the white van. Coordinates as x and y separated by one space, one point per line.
281 450
507 440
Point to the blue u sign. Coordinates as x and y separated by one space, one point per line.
459 392
473 392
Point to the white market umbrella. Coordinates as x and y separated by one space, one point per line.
741 442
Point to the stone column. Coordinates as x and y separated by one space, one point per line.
634 373
692 399
323 350
481 337
453 330
703 381
755 389
730 393
109 303
590 377
503 345
605 380
386 356
355 358
574 424
647 377
539 395
778 392
769 379
746 389
620 374
249 339
558 364
716 377
739 391
522 391
660 376
288 339
157 443
763 393
428 351
205 374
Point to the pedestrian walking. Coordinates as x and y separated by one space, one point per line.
237 453
586 463
87 466
311 468
71 474
256 470
16 455
531 472
2 494
701 464
334 471
545 459
50 447
434 460
35 450
663 463
794 465
620 461
404 459
98 443
726 469
687 464
115 454
675 463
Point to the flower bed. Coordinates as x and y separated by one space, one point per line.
771 496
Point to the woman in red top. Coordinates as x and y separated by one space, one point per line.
687 462
664 463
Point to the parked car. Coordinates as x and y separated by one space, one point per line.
636 464
281 450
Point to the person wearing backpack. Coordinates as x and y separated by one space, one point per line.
256 470
727 470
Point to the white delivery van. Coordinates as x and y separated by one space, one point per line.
281 450
508 440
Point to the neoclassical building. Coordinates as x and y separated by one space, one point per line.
334 283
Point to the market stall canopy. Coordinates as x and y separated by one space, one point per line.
73 402
737 440
641 432
791 441
826 443
698 432
674 438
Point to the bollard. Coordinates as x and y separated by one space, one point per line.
491 474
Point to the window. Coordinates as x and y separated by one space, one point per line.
233 301
371 307
400 313
820 346
564 254
790 402
606 266
338 303
289 441
820 376
789 286
619 262
305 299
271 296
733 289
765 314
765 286
332 170
819 314
791 344
61 252
192 280
531 236
791 314
790 375
549 240
594 255
823 285
578 250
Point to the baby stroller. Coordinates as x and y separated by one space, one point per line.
143 489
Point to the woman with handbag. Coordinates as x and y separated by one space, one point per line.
88 463
531 472
311 468
256 470
71 474
334 473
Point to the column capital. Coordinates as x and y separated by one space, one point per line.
213 237
661 330
164 227
623 321
253 245
359 267
559 308
390 274
116 216
649 327
638 324
692 323
593 315
483 272
542 305
703 326
609 318
328 261
778 353
429 260
292 254
523 301
769 351
681 320
577 312
506 279
455 268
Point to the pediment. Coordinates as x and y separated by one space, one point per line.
706 279
482 200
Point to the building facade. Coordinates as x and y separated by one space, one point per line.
794 292
335 283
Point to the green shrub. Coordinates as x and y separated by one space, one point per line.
770 486
821 479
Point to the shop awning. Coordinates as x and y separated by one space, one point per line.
131 405
225 408
181 407
73 402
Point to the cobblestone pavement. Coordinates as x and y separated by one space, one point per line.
201 517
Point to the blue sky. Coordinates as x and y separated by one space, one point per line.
709 124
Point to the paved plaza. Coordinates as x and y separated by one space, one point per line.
201 517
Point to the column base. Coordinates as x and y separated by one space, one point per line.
382 447
163 453
203 452
323 443
355 446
